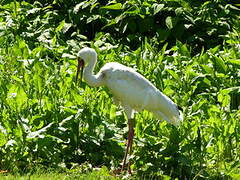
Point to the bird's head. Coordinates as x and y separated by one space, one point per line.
84 56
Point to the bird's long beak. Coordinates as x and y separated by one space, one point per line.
80 69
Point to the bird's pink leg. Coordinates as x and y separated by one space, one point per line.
129 144
131 135
126 152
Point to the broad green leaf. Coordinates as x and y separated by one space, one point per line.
226 100
93 18
224 95
17 96
39 133
33 11
214 50
81 5
60 26
21 96
10 142
163 34
17 79
94 6
112 22
54 41
22 43
38 82
116 6
168 91
208 69
36 52
173 74
112 112
157 8
66 120
203 58
234 61
18 132
169 22
163 50
66 27
69 56
179 11
231 89
184 50
220 64
207 81
3 139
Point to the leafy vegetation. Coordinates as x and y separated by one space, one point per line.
189 49
101 174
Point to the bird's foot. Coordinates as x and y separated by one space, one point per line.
117 171
128 167
120 171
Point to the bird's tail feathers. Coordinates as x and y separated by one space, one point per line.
175 120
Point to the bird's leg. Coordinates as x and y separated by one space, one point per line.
125 157
129 144
126 152
131 135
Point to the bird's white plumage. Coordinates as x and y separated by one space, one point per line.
133 91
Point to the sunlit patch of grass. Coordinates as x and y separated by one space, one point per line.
101 174
51 176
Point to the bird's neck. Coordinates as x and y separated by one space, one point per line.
90 78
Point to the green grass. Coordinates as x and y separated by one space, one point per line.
56 176
35 176
101 174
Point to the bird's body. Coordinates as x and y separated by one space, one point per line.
130 89
133 91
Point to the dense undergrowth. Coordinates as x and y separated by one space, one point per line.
189 50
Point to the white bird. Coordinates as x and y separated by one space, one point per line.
130 89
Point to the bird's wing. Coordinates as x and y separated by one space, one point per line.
116 71
134 90
128 86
